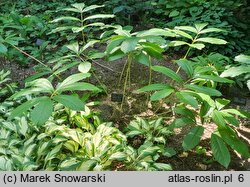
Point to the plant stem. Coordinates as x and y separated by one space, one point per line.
123 69
187 53
83 35
17 48
129 61
99 82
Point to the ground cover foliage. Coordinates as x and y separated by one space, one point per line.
52 120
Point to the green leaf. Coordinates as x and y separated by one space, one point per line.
43 84
69 101
129 44
114 43
24 107
120 156
192 139
155 32
65 18
73 47
212 40
187 99
174 13
169 152
88 165
221 103
143 59
161 94
53 153
185 112
99 16
202 89
116 55
43 110
238 112
229 136
71 10
200 26
235 71
152 49
187 28
80 86
178 43
168 72
220 151
245 59
211 30
180 122
147 150
71 79
79 6
154 87
184 64
218 118
162 167
3 48
230 119
69 164
197 46
84 67
92 7
89 44
184 34
214 78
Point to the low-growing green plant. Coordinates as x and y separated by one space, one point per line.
143 159
152 131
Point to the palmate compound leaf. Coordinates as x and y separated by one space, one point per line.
192 139
220 150
42 111
70 101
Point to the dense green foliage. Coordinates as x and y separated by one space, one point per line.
51 124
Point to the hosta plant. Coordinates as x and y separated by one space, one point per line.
143 159
153 131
